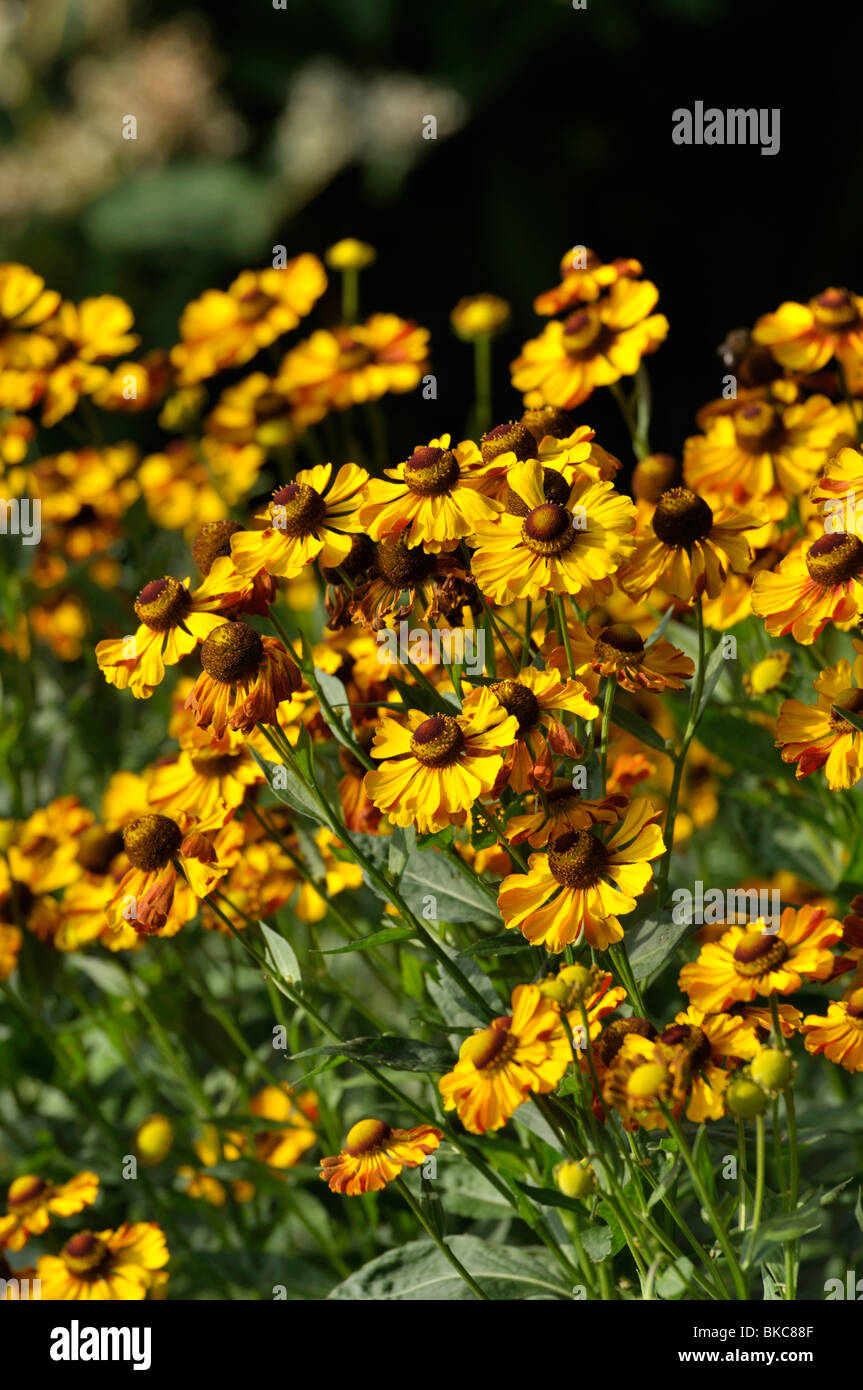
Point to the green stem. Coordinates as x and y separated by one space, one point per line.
441 1244
707 1203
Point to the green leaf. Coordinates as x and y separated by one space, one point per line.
779 1229
650 944
287 787
850 716
633 724
419 1271
280 955
675 1279
397 1054
430 882
716 665
502 944
107 974
378 938
858 1210
336 696
552 1197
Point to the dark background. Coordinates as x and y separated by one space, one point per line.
566 139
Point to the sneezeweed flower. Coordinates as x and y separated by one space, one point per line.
374 1155
686 550
202 777
479 316
43 852
25 305
81 338
296 1117
226 328
817 583
577 889
562 808
595 346
192 482
173 620
154 1139
839 490
575 986
767 674
804 337
746 962
306 519
396 573
815 736
839 1032
522 1053
255 411
245 678
31 1202
434 768
706 1046
617 650
350 254
106 1266
439 493
136 386
534 697
761 451
584 277
157 847
642 1083
569 545
344 366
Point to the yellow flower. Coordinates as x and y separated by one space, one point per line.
641 1083
839 489
767 674
255 411
31 1202
618 650
82 336
438 493
804 337
479 316
296 1117
191 483
564 809
584 277
201 777
500 1066
245 678
305 519
686 550
434 769
153 1140
818 582
745 962
839 1032
350 254
814 736
595 346
25 305
344 366
119 1266
706 1045
155 845
533 697
227 328
374 1155
576 890
173 620
538 546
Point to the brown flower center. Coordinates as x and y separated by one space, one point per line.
854 1004
584 334
491 1047
834 309
359 558
834 559
517 699
232 653
270 405
555 489
757 953
27 1196
681 517
619 645
402 565
505 439
758 428
548 530
365 1136
577 859
84 1253
692 1039
612 1039
212 542
214 764
163 604
548 420
296 510
97 847
431 472
438 741
151 841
